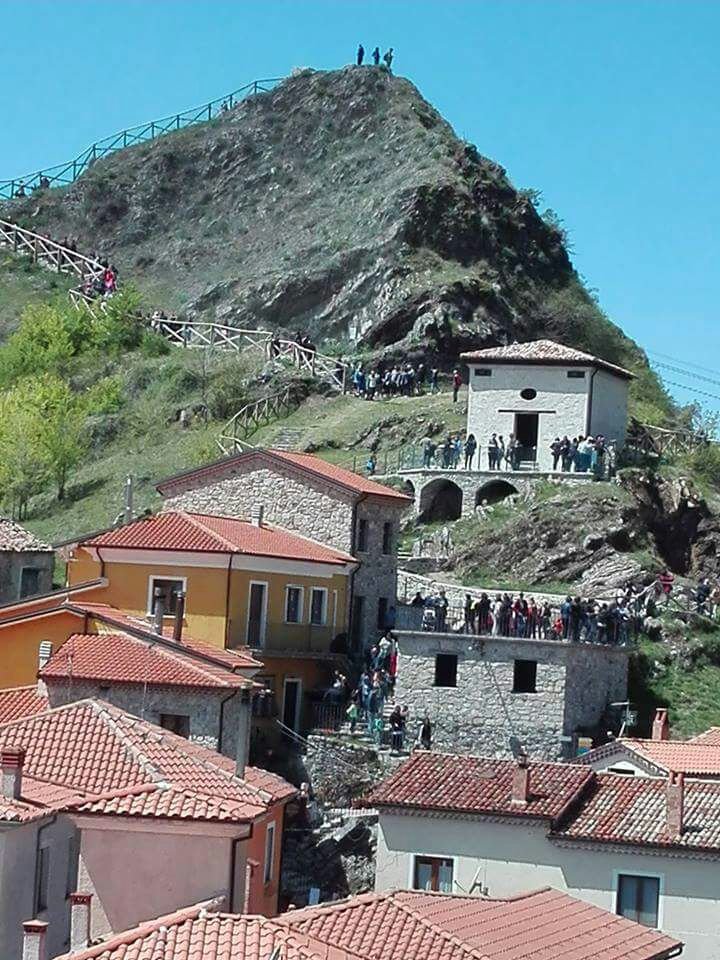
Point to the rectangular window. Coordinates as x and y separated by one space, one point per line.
433 873
358 617
269 852
446 670
318 606
483 372
387 537
168 590
525 676
176 723
638 898
362 535
576 374
71 877
29 581
382 612
293 604
264 703
42 879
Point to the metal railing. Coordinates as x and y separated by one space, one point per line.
64 173
328 716
279 637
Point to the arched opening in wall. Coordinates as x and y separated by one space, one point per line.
409 489
494 492
440 500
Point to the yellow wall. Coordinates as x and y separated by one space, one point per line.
20 642
206 602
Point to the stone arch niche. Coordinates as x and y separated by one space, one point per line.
441 499
494 491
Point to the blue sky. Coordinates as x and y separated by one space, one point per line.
609 107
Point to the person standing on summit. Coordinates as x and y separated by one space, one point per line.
376 56
388 59
360 54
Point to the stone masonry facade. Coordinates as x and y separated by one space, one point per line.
12 565
203 707
485 712
308 505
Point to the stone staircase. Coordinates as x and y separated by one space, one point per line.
286 439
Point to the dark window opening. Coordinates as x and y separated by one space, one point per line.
387 538
638 899
362 531
433 873
176 723
169 590
446 670
483 372
317 607
42 879
29 581
292 605
71 878
525 676
382 612
358 615
576 374
264 703
528 393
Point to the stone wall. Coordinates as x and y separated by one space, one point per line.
482 714
376 577
11 566
202 706
308 506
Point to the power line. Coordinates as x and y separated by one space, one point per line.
682 363
686 373
684 386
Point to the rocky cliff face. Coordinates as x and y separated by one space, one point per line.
340 203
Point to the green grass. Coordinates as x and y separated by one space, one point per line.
23 283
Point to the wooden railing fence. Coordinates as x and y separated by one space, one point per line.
253 416
47 252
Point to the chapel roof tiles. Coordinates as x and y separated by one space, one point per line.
16 539
698 757
398 925
542 352
202 533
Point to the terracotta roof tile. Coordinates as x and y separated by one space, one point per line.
479 785
119 658
539 352
694 757
201 533
16 702
110 762
542 925
633 810
710 737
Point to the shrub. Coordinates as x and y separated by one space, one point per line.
153 344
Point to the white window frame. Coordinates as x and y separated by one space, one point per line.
617 873
269 865
434 856
298 705
151 589
324 616
301 603
263 616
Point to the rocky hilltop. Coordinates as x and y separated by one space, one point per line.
340 203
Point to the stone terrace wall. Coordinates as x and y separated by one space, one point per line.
482 714
408 583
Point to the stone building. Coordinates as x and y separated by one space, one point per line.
316 499
541 390
498 696
26 563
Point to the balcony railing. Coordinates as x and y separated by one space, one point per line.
278 637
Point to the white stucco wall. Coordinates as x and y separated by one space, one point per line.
513 857
137 874
561 402
609 407
18 851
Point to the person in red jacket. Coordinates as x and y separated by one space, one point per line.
456 384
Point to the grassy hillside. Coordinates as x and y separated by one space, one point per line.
23 283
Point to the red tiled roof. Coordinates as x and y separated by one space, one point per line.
479 785
194 532
120 658
709 737
306 462
633 810
542 925
542 352
16 702
694 757
112 762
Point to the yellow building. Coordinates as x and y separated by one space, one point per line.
243 584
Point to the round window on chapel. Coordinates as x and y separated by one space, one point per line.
528 393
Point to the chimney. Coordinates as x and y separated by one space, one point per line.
34 940
12 760
45 651
675 797
257 512
158 610
179 616
243 732
80 920
521 782
661 725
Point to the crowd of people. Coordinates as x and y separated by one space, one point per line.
102 284
398 380
581 454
